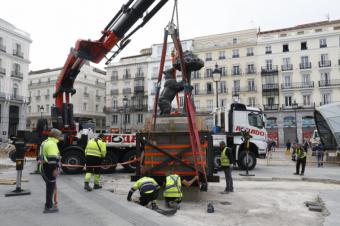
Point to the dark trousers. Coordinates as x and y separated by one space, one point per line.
145 198
173 199
228 178
319 155
93 161
50 181
299 162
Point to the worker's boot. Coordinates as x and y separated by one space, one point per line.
87 186
97 186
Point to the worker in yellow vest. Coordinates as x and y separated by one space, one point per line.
148 190
50 158
173 188
226 164
95 152
301 157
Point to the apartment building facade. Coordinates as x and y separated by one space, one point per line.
88 102
14 67
299 71
127 93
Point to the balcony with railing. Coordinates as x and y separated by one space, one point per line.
2 95
271 107
287 67
18 53
127 76
307 65
250 71
325 63
236 72
236 91
17 74
114 78
139 89
270 89
17 98
114 92
250 54
329 83
139 107
100 84
126 90
298 85
139 76
114 109
2 71
86 94
2 48
269 69
235 55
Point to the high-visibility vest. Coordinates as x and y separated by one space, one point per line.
49 151
173 186
145 185
225 161
95 148
300 154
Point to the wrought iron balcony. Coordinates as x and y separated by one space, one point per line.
297 85
287 67
236 72
307 65
208 59
18 98
325 63
17 74
114 77
269 69
18 53
236 91
139 89
272 107
250 54
139 76
126 90
236 56
329 83
114 92
127 76
138 107
250 71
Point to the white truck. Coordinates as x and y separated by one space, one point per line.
228 123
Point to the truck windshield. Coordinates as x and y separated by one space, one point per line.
255 119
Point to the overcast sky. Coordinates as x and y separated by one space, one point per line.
56 25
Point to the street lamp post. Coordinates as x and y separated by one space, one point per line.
216 76
125 103
295 107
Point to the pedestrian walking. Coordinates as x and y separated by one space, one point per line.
95 152
319 154
288 145
50 157
301 156
305 145
227 166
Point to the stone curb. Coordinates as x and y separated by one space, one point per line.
305 179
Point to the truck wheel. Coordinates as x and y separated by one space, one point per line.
73 157
129 156
110 159
242 161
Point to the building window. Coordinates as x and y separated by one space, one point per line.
270 101
126 118
29 110
236 53
304 46
210 105
181 101
196 75
306 100
268 49
197 105
84 106
289 121
38 108
208 73
223 102
224 71
288 101
236 70
308 121
97 108
271 122
196 88
325 79
251 85
114 119
323 43
325 98
306 80
234 40
252 101
269 65
250 69
223 87
285 48
140 119
305 62
250 51
208 57
15 90
209 88
222 55
287 81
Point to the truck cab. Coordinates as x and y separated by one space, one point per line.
229 122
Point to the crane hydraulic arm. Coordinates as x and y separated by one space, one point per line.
114 34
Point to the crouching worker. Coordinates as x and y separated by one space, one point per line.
173 189
95 152
148 189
